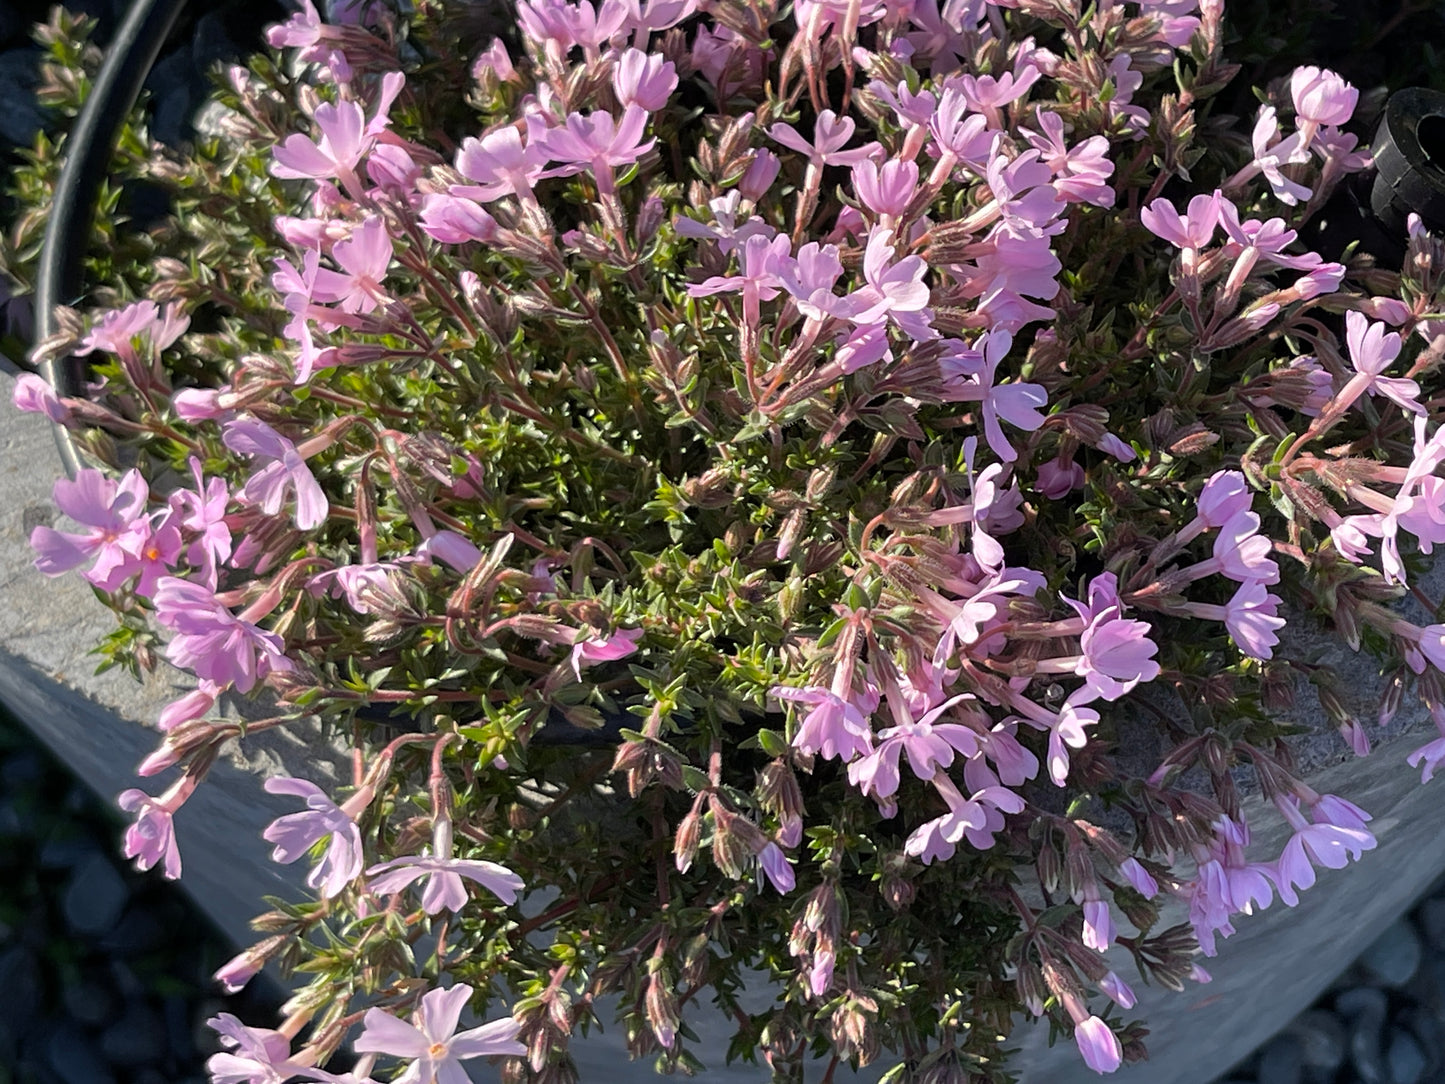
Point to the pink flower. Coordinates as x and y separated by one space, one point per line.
597 143
118 329
1191 231
895 290
930 746
364 258
500 164
202 512
296 833
283 469
1371 350
455 221
774 864
212 642
763 261
809 278
453 550
346 138
1139 877
1223 497
1272 154
1321 97
431 1040
834 727
644 79
617 645
1099 1045
1429 757
253 1055
113 514
152 837
1325 844
1117 990
34 396
1242 553
1251 617
830 133
1017 404
886 191
444 890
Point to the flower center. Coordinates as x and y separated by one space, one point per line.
437 1050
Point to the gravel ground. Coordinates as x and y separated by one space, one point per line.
105 973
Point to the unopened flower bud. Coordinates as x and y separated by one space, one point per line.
660 1004
684 847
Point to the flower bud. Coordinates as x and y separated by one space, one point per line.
660 1004
684 847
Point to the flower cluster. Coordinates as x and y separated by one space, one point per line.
646 411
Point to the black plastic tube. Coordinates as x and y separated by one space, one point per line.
88 150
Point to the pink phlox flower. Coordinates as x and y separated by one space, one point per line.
1210 905
297 833
1431 755
833 727
1014 764
34 395
1338 154
500 164
830 133
210 641
549 25
886 190
304 30
938 39
113 514
365 587
728 231
1023 189
394 172
1321 97
1098 1045
444 890
152 838
988 94
450 548
644 79
1242 553
1116 652
1117 990
117 330
1324 279
589 648
760 174
364 258
193 705
660 15
252 1055
775 866
282 469
1139 878
966 137
1191 231
1225 495
976 818
1127 80
1252 617
1059 477
1325 843
930 746
1065 728
973 620
593 26
861 347
495 59
1272 154
809 278
1080 172
761 260
431 1040
453 220
815 17
1267 240
1015 259
895 289
202 512
1017 404
153 553
1372 349
597 142
914 108
1099 930
346 138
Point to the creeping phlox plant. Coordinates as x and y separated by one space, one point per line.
729 471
